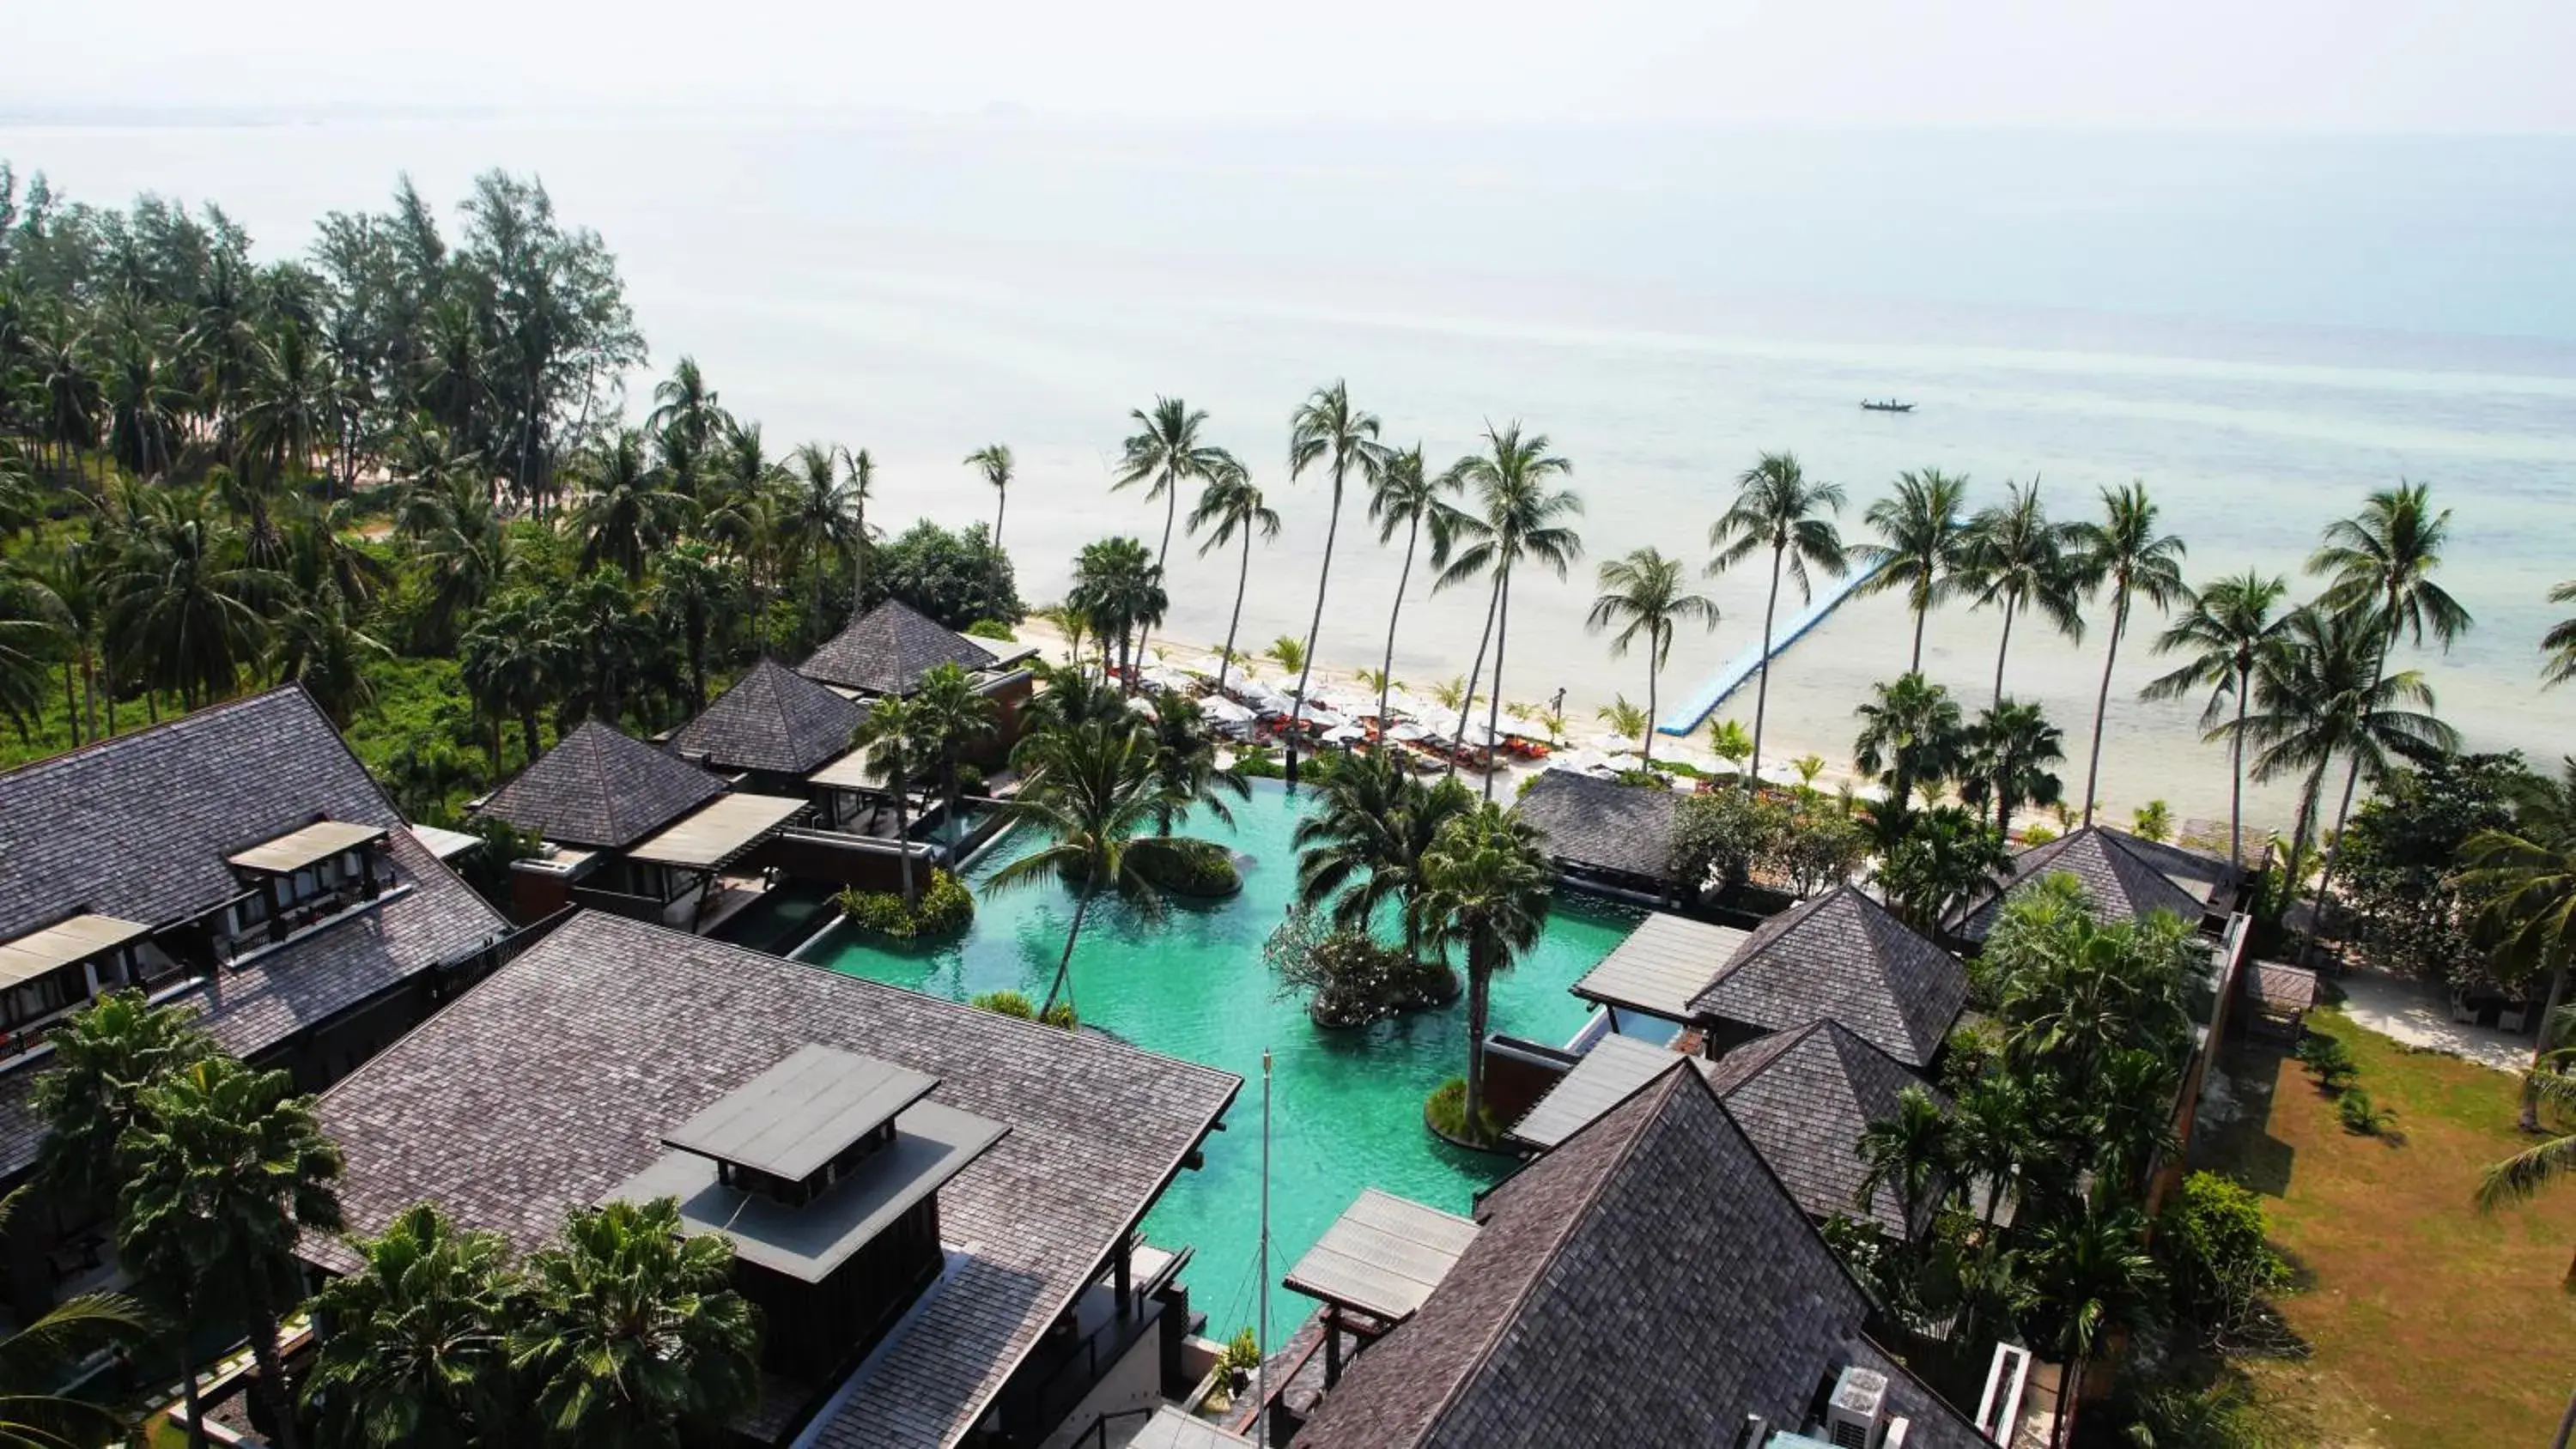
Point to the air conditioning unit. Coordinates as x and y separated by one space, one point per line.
1856 1415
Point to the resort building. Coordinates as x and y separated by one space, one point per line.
2126 876
1604 834
240 861
887 650
1647 1281
771 730
936 1207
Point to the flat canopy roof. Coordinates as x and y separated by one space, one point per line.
1662 965
318 841
846 772
444 843
62 943
1606 1076
932 1144
1173 1427
717 831
800 1114
1383 1256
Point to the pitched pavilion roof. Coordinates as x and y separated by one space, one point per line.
140 827
602 787
1805 1097
1843 957
773 720
1603 824
554 1081
2126 877
1646 1282
888 649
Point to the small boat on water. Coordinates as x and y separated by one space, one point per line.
1889 405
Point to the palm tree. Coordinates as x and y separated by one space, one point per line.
416 1354
1228 506
1185 764
1644 592
1909 1153
509 663
683 403
950 716
1776 508
819 521
2560 642
863 480
2125 557
1165 452
994 461
103 1059
2229 630
294 406
692 588
1093 791
319 645
630 511
1995 1134
1941 859
1910 734
1404 496
1521 516
2523 881
225 1169
183 607
1364 844
142 409
36 1359
31 623
1924 526
631 1334
1287 652
1327 430
2014 559
1484 889
1624 718
2094 1278
2009 751
891 733
1119 589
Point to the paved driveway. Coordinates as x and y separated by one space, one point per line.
2418 1013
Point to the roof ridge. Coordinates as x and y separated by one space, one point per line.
1771 932
203 712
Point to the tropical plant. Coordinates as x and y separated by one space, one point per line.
1621 714
1164 453
2559 644
1231 505
820 521
1520 517
892 735
2094 1278
1730 741
1185 764
1945 858
184 607
2152 821
416 1353
2124 557
630 512
1289 653
1326 430
1644 595
1362 848
2522 882
1910 734
950 717
1909 1154
1404 496
103 1059
1776 508
34 1413
2010 749
1119 590
1925 527
994 462
1484 889
2229 630
629 1335
2015 560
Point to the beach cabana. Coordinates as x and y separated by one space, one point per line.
598 793
1617 835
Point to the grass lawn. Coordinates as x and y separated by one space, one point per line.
2432 1324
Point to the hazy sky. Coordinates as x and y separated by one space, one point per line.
2339 65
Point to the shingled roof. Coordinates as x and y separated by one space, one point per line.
1843 957
139 827
1805 1097
553 1081
1647 1282
774 720
1602 824
2126 877
888 649
601 787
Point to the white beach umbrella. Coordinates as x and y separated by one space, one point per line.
1623 762
1344 734
1407 732
1226 711
1324 719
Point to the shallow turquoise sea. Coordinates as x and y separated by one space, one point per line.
1345 1106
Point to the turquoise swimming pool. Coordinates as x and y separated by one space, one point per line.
1346 1107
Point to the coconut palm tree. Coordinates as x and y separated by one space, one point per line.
294 405
225 1170
1119 589
1924 525
509 663
631 1334
1484 889
417 1354
1940 860
2523 880
629 512
1776 508
891 733
2560 642
2094 1278
2009 751
143 407
1092 791
1404 496
1623 717
1165 452
103 1058
1185 763
1364 844
1520 517
2125 558
317 643
820 520
183 607
951 717
1326 430
1910 735
863 486
1909 1154
693 587
1229 506
2014 560
1644 594
683 403
31 624
2229 629
994 461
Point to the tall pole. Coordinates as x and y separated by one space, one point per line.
1261 1329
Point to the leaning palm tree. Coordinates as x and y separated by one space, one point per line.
1521 517
1231 505
1484 889
1645 595
1910 1155
2229 630
2523 881
2560 642
2127 559
1326 430
416 1354
891 735
1776 508
1186 765
1404 496
1924 526
994 461
2015 559
1165 452
1092 791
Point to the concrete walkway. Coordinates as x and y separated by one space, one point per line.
2418 1013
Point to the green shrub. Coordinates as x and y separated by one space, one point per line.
945 908
2214 1246
1349 978
1012 1003
2360 1115
1976 1045
2330 1059
1446 1111
2038 835
1200 869
970 780
1259 764
991 629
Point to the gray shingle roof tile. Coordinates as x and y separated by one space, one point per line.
2126 877
773 719
888 649
1844 957
1601 823
1804 1097
601 787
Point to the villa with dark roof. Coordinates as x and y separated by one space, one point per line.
1603 831
937 1207
774 727
1648 1281
239 861
2126 876
887 650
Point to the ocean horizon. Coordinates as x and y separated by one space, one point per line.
2262 329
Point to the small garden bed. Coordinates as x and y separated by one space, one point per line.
944 908
1199 870
1445 1113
